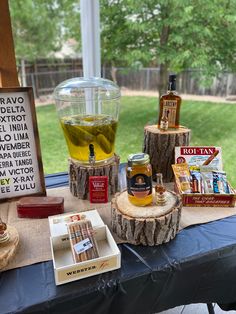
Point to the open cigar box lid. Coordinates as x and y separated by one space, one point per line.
58 223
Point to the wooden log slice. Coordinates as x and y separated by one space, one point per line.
160 145
8 249
149 225
79 176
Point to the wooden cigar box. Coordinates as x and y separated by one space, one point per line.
65 268
195 156
39 206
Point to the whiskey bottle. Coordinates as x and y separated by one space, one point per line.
170 104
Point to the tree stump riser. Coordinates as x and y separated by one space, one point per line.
146 231
79 177
160 145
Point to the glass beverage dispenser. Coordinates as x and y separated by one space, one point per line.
88 110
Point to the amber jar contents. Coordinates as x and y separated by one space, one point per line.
170 105
139 179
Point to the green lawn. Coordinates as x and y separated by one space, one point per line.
211 124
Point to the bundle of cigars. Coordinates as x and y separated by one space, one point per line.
82 240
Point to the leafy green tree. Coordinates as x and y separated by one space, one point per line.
36 28
117 37
40 27
172 34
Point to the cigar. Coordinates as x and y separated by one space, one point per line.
206 162
79 238
86 236
72 243
91 238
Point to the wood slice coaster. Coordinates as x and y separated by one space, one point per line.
149 225
79 176
8 249
160 145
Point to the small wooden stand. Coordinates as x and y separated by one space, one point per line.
8 249
149 225
79 176
160 145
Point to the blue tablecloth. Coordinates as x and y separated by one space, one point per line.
198 266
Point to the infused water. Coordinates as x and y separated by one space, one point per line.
82 130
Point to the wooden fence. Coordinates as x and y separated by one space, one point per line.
45 76
188 82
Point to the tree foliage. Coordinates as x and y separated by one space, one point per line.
40 27
173 34
36 27
117 37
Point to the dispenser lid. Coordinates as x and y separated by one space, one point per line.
79 88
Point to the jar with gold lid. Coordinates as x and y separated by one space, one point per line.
139 179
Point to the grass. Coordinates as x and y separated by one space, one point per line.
212 124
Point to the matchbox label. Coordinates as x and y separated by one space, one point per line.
197 155
98 189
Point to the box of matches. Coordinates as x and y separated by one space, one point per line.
81 246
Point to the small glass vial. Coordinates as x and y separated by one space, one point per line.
160 191
164 123
139 179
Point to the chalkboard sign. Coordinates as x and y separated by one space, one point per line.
21 169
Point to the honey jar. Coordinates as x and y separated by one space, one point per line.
139 179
